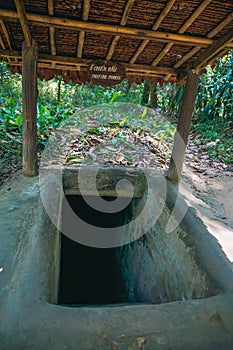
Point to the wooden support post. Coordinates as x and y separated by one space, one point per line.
181 136
30 93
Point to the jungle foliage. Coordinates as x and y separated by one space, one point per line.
213 117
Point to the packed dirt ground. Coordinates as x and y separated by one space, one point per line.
215 188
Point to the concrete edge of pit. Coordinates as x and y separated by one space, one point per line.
30 322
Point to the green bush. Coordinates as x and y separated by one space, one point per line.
213 116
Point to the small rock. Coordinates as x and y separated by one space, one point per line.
12 208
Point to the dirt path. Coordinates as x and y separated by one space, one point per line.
222 189
215 188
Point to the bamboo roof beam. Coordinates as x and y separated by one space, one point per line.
123 22
112 47
211 34
10 53
211 53
64 59
126 13
47 58
6 34
143 68
149 75
122 31
2 43
111 29
144 72
81 37
52 41
83 63
162 54
182 30
51 7
52 31
48 65
186 57
221 25
160 19
214 49
194 16
23 21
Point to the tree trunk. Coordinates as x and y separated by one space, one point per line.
30 94
153 96
146 93
59 89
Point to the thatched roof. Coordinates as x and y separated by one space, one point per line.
159 40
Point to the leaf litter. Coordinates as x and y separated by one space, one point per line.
125 134
121 134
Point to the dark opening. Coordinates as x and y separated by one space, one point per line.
91 275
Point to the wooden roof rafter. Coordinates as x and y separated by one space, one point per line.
51 7
52 40
2 42
145 42
182 30
81 37
186 57
123 22
221 25
209 54
213 50
189 40
52 29
6 34
66 62
23 21
210 35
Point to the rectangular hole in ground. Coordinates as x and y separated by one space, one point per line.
156 268
91 275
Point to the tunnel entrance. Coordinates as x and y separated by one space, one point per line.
156 268
91 275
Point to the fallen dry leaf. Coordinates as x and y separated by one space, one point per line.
120 157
